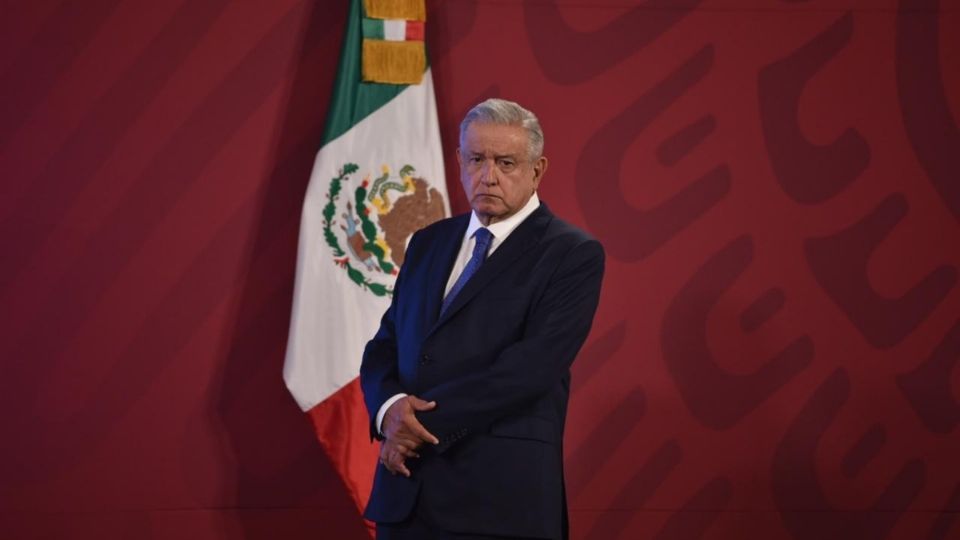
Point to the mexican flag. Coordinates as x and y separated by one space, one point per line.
377 179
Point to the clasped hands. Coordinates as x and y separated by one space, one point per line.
404 434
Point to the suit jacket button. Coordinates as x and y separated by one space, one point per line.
425 359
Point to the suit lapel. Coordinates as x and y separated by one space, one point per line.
441 262
524 237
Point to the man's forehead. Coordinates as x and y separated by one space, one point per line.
495 137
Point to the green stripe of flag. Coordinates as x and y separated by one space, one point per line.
373 28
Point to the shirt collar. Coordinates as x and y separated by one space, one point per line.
502 229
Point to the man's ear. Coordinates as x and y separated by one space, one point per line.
539 168
459 159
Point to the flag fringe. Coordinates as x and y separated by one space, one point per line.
395 62
411 10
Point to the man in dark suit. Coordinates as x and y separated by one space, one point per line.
468 377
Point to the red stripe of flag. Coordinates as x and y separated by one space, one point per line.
414 31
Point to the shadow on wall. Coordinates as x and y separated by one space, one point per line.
284 485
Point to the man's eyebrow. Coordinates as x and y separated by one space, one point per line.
472 153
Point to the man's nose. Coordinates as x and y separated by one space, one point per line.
488 174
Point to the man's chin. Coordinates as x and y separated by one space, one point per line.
488 205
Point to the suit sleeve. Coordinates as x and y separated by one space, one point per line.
379 375
556 329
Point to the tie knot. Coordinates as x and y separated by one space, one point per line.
483 236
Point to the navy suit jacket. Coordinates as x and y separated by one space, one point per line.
498 365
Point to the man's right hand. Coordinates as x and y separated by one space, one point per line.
400 425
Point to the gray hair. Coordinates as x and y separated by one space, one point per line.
507 113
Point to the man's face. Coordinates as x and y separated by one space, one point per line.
496 171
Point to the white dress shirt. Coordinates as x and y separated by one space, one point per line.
500 231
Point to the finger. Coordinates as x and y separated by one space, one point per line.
414 431
402 469
396 463
412 428
407 431
402 450
408 428
410 442
422 434
403 429
407 452
419 404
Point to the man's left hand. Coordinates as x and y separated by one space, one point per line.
393 455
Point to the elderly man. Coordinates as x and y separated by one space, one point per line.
468 377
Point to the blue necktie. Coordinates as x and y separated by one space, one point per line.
484 238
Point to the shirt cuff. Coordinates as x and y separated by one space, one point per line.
383 410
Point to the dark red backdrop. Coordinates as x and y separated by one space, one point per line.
777 184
